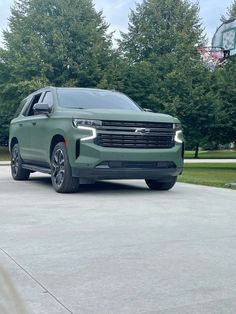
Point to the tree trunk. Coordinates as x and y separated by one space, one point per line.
196 150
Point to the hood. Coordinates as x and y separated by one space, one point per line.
121 115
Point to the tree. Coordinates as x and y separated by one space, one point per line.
63 41
165 72
231 12
52 42
225 89
224 86
162 27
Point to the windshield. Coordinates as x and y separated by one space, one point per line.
76 98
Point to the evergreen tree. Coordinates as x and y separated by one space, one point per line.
228 97
60 41
165 71
231 12
225 88
162 27
52 42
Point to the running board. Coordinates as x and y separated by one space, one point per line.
36 168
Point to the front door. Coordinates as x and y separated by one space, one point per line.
40 133
26 127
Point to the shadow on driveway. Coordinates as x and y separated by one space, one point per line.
99 187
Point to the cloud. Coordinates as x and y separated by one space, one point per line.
120 4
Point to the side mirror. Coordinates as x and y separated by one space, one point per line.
42 109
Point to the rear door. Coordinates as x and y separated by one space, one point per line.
17 128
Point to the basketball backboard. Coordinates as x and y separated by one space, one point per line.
225 37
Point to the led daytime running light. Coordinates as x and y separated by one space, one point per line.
94 133
178 136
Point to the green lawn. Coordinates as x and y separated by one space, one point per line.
210 174
221 154
4 154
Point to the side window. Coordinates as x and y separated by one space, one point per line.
48 99
29 110
21 106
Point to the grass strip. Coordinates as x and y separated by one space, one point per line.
217 154
4 153
209 174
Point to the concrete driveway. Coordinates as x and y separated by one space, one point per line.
118 247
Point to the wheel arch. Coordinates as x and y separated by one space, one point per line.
57 138
13 141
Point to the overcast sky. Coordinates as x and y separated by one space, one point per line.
116 13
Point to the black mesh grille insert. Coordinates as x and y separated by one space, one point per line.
129 134
134 141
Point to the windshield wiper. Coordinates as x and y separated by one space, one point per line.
73 108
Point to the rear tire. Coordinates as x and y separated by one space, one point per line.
61 176
18 173
163 184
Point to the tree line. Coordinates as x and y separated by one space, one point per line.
156 63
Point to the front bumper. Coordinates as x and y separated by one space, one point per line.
132 162
124 173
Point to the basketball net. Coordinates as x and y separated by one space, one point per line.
211 56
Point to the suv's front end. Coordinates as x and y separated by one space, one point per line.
139 151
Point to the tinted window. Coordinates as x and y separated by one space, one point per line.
90 99
21 106
47 99
30 111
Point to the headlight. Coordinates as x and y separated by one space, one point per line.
87 125
83 122
178 133
177 126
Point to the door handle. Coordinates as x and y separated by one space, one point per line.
34 123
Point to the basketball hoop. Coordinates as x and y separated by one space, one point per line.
212 56
223 45
225 36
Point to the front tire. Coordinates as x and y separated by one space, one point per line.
61 176
18 173
163 184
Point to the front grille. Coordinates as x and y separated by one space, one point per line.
126 134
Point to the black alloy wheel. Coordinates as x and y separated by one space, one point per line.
58 167
62 180
18 173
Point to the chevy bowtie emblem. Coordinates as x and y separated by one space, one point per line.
142 131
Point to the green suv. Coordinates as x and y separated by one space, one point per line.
80 135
